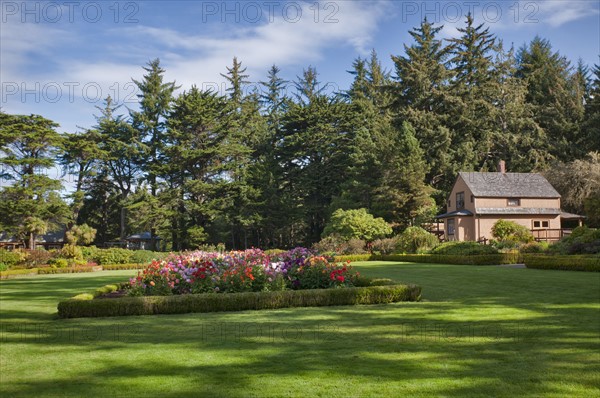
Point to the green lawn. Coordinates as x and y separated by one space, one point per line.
479 332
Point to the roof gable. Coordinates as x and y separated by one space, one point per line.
507 185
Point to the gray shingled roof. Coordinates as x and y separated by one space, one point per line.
516 210
509 185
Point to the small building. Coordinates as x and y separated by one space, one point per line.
478 200
141 241
48 241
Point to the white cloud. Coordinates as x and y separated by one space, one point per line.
117 54
557 13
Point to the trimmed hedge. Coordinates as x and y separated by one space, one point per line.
68 270
117 267
11 273
566 263
353 257
85 306
481 259
464 248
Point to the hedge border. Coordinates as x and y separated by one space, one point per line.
477 259
84 305
563 263
15 273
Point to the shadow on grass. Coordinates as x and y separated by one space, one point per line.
513 341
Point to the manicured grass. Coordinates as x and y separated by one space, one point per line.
479 332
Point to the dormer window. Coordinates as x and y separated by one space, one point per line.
513 202
460 200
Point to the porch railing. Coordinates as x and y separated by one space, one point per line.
548 235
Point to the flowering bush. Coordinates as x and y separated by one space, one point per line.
240 271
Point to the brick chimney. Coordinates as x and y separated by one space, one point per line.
502 167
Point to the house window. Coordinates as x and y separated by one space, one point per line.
514 202
460 200
450 223
449 203
472 198
539 224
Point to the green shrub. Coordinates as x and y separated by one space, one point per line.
114 256
10 258
3 267
89 253
145 256
334 244
535 247
71 252
567 263
37 257
463 248
384 246
209 302
582 240
504 230
416 240
59 262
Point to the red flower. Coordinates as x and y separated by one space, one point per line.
340 278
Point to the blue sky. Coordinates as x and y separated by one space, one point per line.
60 59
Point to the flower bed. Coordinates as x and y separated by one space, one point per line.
241 271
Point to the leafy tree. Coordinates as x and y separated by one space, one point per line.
579 184
358 224
31 205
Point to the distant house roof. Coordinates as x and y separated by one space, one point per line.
509 185
50 237
141 236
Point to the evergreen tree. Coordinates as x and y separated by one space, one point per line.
553 92
31 205
155 98
81 156
419 98
197 157
590 135
402 195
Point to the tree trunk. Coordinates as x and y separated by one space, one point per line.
31 241
123 223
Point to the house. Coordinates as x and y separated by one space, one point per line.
141 241
48 241
478 200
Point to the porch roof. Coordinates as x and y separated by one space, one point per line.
570 216
462 212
